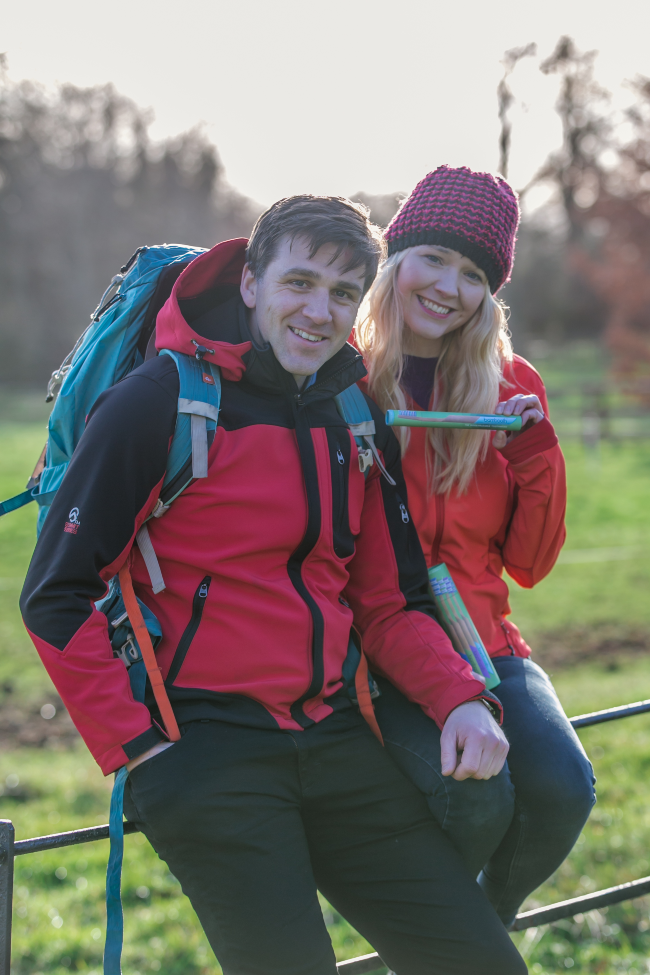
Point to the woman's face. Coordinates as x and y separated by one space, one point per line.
439 290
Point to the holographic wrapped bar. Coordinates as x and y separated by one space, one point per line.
458 625
455 421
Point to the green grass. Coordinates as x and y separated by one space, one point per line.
607 508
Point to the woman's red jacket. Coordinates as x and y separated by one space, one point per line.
511 517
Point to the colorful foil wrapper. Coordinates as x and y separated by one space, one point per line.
458 625
455 421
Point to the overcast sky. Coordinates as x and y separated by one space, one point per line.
331 96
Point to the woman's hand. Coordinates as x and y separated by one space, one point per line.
528 408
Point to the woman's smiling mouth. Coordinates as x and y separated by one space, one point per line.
440 311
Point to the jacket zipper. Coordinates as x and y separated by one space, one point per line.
341 479
507 635
294 565
198 605
440 525
402 510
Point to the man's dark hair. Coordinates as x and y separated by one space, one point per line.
319 220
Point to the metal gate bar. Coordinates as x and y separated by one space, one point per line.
10 849
611 714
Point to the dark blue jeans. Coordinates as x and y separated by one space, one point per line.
518 827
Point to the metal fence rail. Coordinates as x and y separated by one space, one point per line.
11 848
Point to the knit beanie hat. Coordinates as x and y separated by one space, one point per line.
474 213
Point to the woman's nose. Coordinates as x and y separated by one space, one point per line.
447 281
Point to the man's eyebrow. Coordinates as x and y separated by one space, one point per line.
305 272
348 286
301 272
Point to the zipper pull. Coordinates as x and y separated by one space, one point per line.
404 513
203 591
339 456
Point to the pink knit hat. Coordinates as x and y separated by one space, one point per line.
476 214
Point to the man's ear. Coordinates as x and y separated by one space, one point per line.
248 287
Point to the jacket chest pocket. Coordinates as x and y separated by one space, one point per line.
198 605
340 450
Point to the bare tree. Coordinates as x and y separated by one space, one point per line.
505 99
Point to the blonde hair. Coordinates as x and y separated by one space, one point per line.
468 375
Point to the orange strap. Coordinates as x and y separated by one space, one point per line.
363 696
148 654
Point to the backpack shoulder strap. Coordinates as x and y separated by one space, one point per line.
199 400
353 407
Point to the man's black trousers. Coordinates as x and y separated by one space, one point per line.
253 821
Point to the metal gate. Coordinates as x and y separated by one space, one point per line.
10 849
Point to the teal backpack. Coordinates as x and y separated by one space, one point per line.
121 334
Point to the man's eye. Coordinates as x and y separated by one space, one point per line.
298 283
342 294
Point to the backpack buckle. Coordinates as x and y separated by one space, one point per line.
129 652
365 460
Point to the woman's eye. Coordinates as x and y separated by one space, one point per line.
434 258
473 276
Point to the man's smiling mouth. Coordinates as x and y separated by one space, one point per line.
432 306
305 335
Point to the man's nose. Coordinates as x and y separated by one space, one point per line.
317 307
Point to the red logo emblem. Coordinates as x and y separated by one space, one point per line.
72 525
207 378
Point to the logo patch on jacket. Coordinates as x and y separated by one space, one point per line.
73 523
207 378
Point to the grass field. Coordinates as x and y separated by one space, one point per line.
59 916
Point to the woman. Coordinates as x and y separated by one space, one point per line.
435 337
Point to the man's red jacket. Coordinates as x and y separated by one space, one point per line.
268 561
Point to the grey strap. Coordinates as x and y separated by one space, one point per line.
199 446
375 453
365 429
198 408
150 559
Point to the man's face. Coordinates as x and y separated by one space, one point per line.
303 306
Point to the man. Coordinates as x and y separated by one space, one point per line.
278 786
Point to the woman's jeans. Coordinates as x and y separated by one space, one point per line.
517 827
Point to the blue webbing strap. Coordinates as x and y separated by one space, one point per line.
18 502
12 504
114 916
352 405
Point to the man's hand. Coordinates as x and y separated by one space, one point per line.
528 408
160 747
471 730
